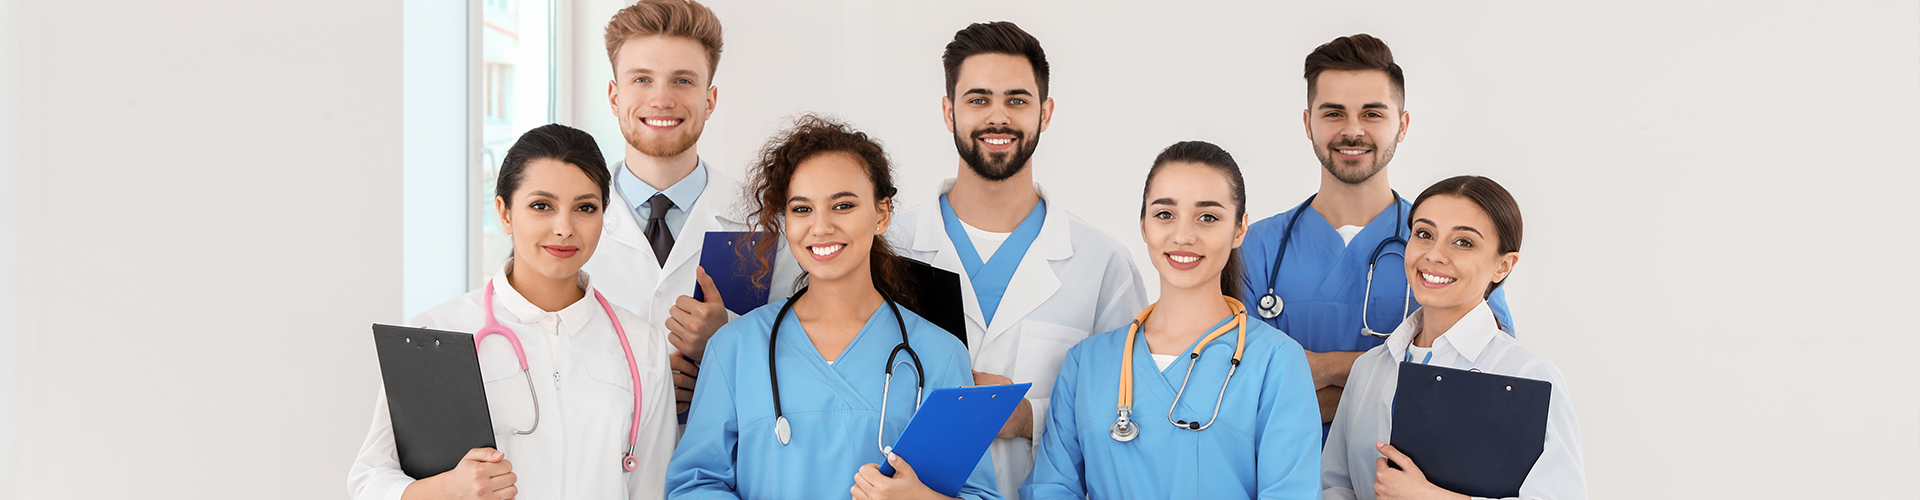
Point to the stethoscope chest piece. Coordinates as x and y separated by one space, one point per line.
1123 429
1270 305
782 431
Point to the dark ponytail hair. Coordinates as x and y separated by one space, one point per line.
552 142
1492 199
1206 153
772 173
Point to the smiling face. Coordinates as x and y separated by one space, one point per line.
996 114
554 218
832 217
662 93
1453 257
1190 227
1355 121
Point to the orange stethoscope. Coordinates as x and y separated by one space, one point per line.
1124 429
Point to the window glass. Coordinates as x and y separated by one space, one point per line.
516 43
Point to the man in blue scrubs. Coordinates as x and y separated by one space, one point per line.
1356 115
1036 280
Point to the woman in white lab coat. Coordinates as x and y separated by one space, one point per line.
1465 241
552 191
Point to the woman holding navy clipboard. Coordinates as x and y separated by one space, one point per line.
796 396
578 409
1465 242
1192 400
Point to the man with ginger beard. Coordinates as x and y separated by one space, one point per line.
1036 280
665 198
1356 116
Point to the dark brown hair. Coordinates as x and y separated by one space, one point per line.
771 174
1492 199
676 18
998 37
1360 52
1210 155
552 141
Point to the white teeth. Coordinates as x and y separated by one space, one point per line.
1353 152
1185 259
1435 279
826 250
998 142
662 123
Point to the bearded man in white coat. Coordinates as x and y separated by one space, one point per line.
1036 280
665 198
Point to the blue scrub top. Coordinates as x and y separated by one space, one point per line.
1323 279
729 450
1264 444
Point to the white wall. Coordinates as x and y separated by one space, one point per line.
209 219
210 214
1711 191
9 241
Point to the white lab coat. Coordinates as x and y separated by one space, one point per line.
631 277
1475 342
576 450
1073 282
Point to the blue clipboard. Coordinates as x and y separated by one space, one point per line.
724 254
1470 432
951 431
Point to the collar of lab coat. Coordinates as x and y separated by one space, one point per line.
1055 241
572 318
1469 336
622 228
1031 284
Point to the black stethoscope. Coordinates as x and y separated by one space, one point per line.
783 431
1270 304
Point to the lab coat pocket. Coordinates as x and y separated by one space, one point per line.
610 370
1042 348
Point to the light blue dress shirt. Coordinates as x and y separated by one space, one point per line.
683 194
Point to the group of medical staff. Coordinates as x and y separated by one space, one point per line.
1264 368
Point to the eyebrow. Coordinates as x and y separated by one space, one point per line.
678 72
1371 105
986 92
588 196
842 194
1456 228
1164 201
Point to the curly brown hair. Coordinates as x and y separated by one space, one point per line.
772 172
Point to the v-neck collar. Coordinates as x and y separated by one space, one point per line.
1167 386
803 344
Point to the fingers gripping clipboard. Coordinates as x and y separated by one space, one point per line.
952 430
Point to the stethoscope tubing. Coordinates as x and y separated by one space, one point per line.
628 462
782 430
1270 305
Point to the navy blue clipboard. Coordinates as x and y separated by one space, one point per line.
435 397
951 431
724 255
1472 433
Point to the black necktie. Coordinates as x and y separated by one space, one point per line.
657 233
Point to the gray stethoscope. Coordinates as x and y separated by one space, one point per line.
783 431
1123 429
1271 305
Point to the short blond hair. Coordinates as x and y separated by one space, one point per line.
677 18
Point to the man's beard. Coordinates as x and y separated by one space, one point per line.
661 147
996 166
1353 172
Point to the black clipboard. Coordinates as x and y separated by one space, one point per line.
1472 433
938 298
435 397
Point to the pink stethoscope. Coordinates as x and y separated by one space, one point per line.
492 327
